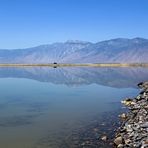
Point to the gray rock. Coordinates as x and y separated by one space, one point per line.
104 138
118 140
134 130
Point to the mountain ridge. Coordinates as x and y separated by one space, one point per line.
119 50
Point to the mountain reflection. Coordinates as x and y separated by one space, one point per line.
75 76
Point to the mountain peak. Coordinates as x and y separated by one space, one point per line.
76 42
139 40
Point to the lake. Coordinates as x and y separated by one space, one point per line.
71 107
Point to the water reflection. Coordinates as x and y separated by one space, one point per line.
114 77
35 112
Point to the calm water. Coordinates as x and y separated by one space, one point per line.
42 107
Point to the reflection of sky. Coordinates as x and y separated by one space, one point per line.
45 108
29 91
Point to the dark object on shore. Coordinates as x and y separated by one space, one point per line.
143 85
134 131
140 84
55 64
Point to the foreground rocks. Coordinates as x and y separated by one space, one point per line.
133 133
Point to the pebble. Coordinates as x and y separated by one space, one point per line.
104 138
134 130
118 140
120 146
123 116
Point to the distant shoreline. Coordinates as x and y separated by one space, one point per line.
78 65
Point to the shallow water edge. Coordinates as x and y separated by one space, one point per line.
134 129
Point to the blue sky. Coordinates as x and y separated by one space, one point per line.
27 23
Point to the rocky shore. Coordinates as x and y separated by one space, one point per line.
133 133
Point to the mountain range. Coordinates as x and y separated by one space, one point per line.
119 50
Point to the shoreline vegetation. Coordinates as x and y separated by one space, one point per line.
55 65
133 132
